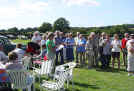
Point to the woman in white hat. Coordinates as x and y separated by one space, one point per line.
36 37
130 58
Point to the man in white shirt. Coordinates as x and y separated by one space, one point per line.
19 51
3 57
36 37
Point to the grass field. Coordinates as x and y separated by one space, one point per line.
20 41
97 79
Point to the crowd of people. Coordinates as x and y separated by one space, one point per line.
91 50
64 47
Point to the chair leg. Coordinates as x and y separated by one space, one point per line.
29 88
33 87
72 84
67 83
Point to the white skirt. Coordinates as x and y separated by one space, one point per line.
130 64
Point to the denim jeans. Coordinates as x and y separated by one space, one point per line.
61 56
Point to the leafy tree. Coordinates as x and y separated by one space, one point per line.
45 27
13 31
61 24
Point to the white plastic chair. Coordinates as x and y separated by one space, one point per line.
58 85
61 68
19 79
46 69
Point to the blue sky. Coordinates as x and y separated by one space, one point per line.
80 13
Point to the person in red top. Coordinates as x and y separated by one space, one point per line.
124 49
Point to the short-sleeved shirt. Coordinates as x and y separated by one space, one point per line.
36 39
20 53
106 47
128 43
124 42
81 45
43 44
101 40
49 43
76 40
129 53
70 41
50 53
58 40
115 44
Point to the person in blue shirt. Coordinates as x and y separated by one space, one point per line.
69 47
81 49
59 41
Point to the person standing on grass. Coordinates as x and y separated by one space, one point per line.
58 43
130 58
76 51
50 47
69 47
116 47
43 46
95 48
90 51
106 54
124 49
101 42
64 49
81 48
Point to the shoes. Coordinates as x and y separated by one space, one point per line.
103 67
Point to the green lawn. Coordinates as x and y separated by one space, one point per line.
97 79
20 41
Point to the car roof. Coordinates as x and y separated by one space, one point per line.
3 36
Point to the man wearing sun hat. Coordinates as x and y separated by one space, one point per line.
131 38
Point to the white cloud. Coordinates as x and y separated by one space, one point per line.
11 13
23 7
32 7
81 2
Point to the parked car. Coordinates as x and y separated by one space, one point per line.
7 45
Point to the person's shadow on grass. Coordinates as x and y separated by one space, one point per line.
115 70
86 85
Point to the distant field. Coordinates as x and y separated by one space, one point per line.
21 41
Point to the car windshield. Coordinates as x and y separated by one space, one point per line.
4 41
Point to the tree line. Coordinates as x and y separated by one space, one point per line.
64 25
